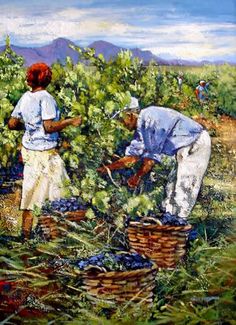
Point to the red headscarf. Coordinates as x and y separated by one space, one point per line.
39 75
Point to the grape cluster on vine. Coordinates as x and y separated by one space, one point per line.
13 173
8 176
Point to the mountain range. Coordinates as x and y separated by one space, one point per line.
59 49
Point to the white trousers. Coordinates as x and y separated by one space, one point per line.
184 183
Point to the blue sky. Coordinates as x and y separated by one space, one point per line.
185 29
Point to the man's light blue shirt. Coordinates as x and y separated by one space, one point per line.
33 108
162 130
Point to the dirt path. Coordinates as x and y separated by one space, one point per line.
226 131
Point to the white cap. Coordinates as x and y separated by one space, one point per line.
133 103
202 82
132 106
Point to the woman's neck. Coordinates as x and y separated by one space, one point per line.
37 89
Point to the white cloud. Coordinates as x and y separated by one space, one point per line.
195 41
72 23
186 40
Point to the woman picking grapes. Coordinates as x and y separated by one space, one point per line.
44 171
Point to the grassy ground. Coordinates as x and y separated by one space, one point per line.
181 296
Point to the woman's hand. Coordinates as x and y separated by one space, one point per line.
15 124
134 181
76 121
51 126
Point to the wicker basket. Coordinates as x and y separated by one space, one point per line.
120 287
50 226
163 244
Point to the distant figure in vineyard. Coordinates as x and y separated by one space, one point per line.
180 81
44 171
164 131
201 92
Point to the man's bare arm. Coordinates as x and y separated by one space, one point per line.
146 167
124 162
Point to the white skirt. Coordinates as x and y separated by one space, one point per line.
44 177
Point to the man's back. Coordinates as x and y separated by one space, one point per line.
168 119
162 130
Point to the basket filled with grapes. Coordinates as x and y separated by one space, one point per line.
163 240
56 215
119 277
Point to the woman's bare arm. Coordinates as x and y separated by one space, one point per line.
51 126
15 124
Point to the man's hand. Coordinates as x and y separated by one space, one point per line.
134 181
76 121
102 170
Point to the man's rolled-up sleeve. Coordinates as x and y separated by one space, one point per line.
136 148
152 155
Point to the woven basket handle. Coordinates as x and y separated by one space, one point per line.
158 222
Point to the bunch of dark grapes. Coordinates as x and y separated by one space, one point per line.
6 190
64 205
172 220
193 235
3 174
101 215
165 219
120 150
125 173
16 171
11 174
121 177
115 262
148 185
